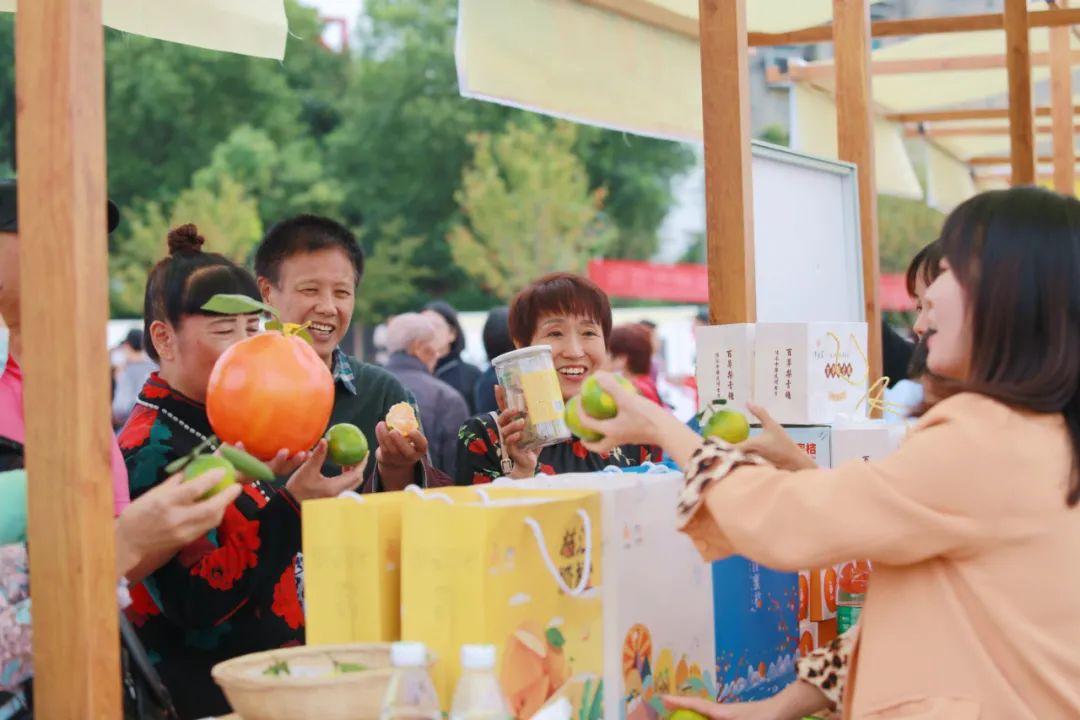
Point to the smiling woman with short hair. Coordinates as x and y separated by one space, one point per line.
573 316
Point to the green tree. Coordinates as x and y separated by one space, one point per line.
283 180
170 105
403 143
7 93
224 214
391 274
904 227
528 208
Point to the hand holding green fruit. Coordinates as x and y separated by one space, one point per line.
206 463
347 444
729 425
572 415
599 403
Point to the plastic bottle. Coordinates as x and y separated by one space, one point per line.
410 694
478 695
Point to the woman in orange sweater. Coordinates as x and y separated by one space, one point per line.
971 524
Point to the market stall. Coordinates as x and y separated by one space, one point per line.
61 147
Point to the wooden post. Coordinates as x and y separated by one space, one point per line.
60 89
855 128
1062 109
1021 122
725 89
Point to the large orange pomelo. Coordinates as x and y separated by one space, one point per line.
270 392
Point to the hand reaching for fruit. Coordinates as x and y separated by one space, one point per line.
775 445
308 483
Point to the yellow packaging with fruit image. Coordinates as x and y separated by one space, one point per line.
518 569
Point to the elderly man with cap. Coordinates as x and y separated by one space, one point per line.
411 340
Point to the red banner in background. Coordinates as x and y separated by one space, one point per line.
685 283
639 280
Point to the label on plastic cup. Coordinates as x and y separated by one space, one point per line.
543 396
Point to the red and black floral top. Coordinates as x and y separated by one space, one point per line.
479 458
235 591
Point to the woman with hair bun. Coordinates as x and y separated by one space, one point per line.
237 589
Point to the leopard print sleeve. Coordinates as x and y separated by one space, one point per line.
827 667
712 462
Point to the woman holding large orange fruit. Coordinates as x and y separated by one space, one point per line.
235 590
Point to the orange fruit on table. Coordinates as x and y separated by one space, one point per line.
402 418
830 589
855 577
637 648
269 392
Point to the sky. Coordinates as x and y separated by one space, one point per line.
347 10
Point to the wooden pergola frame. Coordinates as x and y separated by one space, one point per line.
63 265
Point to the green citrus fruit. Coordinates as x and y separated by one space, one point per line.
247 464
728 425
686 715
597 402
206 463
348 446
572 415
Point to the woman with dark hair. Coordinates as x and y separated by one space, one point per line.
966 520
496 342
631 353
237 589
451 369
572 315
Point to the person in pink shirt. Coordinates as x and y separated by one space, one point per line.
12 422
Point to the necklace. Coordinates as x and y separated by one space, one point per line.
176 420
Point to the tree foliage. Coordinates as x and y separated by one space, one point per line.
528 208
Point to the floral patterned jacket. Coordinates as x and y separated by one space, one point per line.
235 591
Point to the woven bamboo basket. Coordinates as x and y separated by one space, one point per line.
313 690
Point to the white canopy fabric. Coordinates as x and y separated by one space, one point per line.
249 27
580 60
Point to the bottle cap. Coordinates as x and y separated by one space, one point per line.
478 657
408 654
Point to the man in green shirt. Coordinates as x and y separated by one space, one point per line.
309 269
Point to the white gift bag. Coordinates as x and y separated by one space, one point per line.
657 593
809 373
725 364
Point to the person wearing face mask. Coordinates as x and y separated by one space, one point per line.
309 269
572 315
972 523
237 589
411 341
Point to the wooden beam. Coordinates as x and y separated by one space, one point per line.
970 114
855 143
968 131
825 70
980 160
729 207
1062 109
60 89
1021 120
917 26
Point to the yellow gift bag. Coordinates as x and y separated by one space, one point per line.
518 569
352 568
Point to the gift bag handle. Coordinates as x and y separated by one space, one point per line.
538 535
429 495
